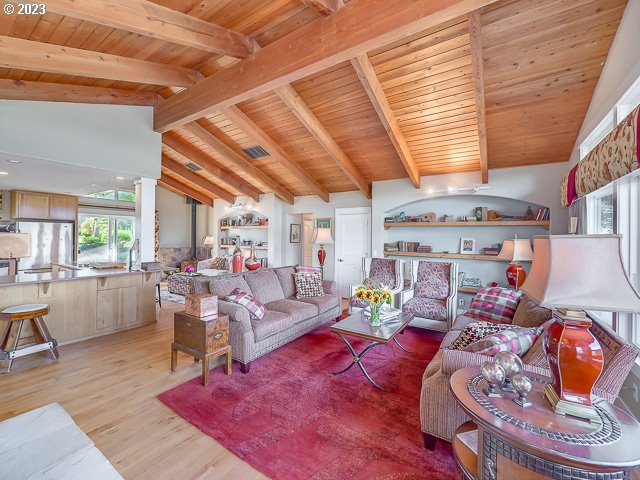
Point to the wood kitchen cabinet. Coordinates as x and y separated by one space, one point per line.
43 206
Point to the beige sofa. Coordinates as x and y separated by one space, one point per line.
286 318
440 413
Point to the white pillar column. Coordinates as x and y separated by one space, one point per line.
146 217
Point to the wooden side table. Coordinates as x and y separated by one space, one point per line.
535 443
202 338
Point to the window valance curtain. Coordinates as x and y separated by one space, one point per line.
614 157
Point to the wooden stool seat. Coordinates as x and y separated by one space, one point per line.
10 335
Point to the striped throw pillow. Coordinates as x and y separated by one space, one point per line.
516 340
496 304
256 309
308 285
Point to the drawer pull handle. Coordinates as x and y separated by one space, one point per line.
188 324
217 336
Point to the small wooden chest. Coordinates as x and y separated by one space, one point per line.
203 338
201 304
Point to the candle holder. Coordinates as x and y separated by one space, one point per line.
494 376
512 365
522 384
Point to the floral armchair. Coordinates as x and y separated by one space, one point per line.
377 272
432 295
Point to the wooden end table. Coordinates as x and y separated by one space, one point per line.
535 443
202 338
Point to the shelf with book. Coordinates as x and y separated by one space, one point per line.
457 256
472 290
504 223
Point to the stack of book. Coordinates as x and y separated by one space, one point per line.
391 247
493 250
408 246
542 214
386 313
424 249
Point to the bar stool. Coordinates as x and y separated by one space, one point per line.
11 335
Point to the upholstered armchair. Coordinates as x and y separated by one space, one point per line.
432 295
377 272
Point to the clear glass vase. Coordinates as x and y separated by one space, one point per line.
374 320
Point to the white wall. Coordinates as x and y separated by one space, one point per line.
175 220
293 251
112 137
621 69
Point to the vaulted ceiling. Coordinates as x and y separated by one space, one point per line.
338 94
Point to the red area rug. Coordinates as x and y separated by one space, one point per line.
290 419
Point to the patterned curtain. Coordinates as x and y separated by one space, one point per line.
614 157
157 236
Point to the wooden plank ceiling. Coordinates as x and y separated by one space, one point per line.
476 86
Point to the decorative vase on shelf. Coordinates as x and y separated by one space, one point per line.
374 321
236 261
252 262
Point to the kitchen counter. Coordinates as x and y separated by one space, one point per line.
85 302
64 275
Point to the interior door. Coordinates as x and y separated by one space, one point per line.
307 245
352 243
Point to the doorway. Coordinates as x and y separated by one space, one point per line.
352 243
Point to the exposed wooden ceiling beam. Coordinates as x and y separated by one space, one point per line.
371 84
200 158
191 192
316 46
153 20
193 177
276 152
239 161
46 57
324 7
477 68
301 110
59 92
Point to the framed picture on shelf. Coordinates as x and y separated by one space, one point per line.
467 246
294 233
323 223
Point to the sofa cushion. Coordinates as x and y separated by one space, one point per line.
308 285
530 314
432 280
324 303
426 308
225 284
516 340
285 277
299 311
494 304
476 331
255 308
462 321
265 286
273 322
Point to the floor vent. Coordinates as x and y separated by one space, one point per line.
256 152
193 166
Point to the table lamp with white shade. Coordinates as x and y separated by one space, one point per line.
516 251
208 242
322 236
571 274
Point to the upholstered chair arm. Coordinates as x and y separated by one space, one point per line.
330 287
237 313
204 264
406 295
454 360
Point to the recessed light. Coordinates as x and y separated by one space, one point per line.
4 173
430 190
451 189
119 178
14 161
94 184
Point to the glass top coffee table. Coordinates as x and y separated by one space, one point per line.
357 325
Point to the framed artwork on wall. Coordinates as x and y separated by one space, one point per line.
323 223
467 246
295 230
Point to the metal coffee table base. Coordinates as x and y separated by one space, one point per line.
357 358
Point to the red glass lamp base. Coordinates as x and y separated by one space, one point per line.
575 360
516 275
322 255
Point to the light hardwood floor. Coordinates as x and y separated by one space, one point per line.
109 386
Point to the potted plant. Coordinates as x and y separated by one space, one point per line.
375 297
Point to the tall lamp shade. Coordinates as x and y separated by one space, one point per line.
209 241
516 251
570 274
322 236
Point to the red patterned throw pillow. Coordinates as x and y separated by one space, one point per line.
256 309
476 331
516 340
495 304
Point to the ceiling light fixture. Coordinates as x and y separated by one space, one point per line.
430 190
94 185
14 161
472 189
119 178
4 173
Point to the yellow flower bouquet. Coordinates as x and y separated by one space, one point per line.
375 297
